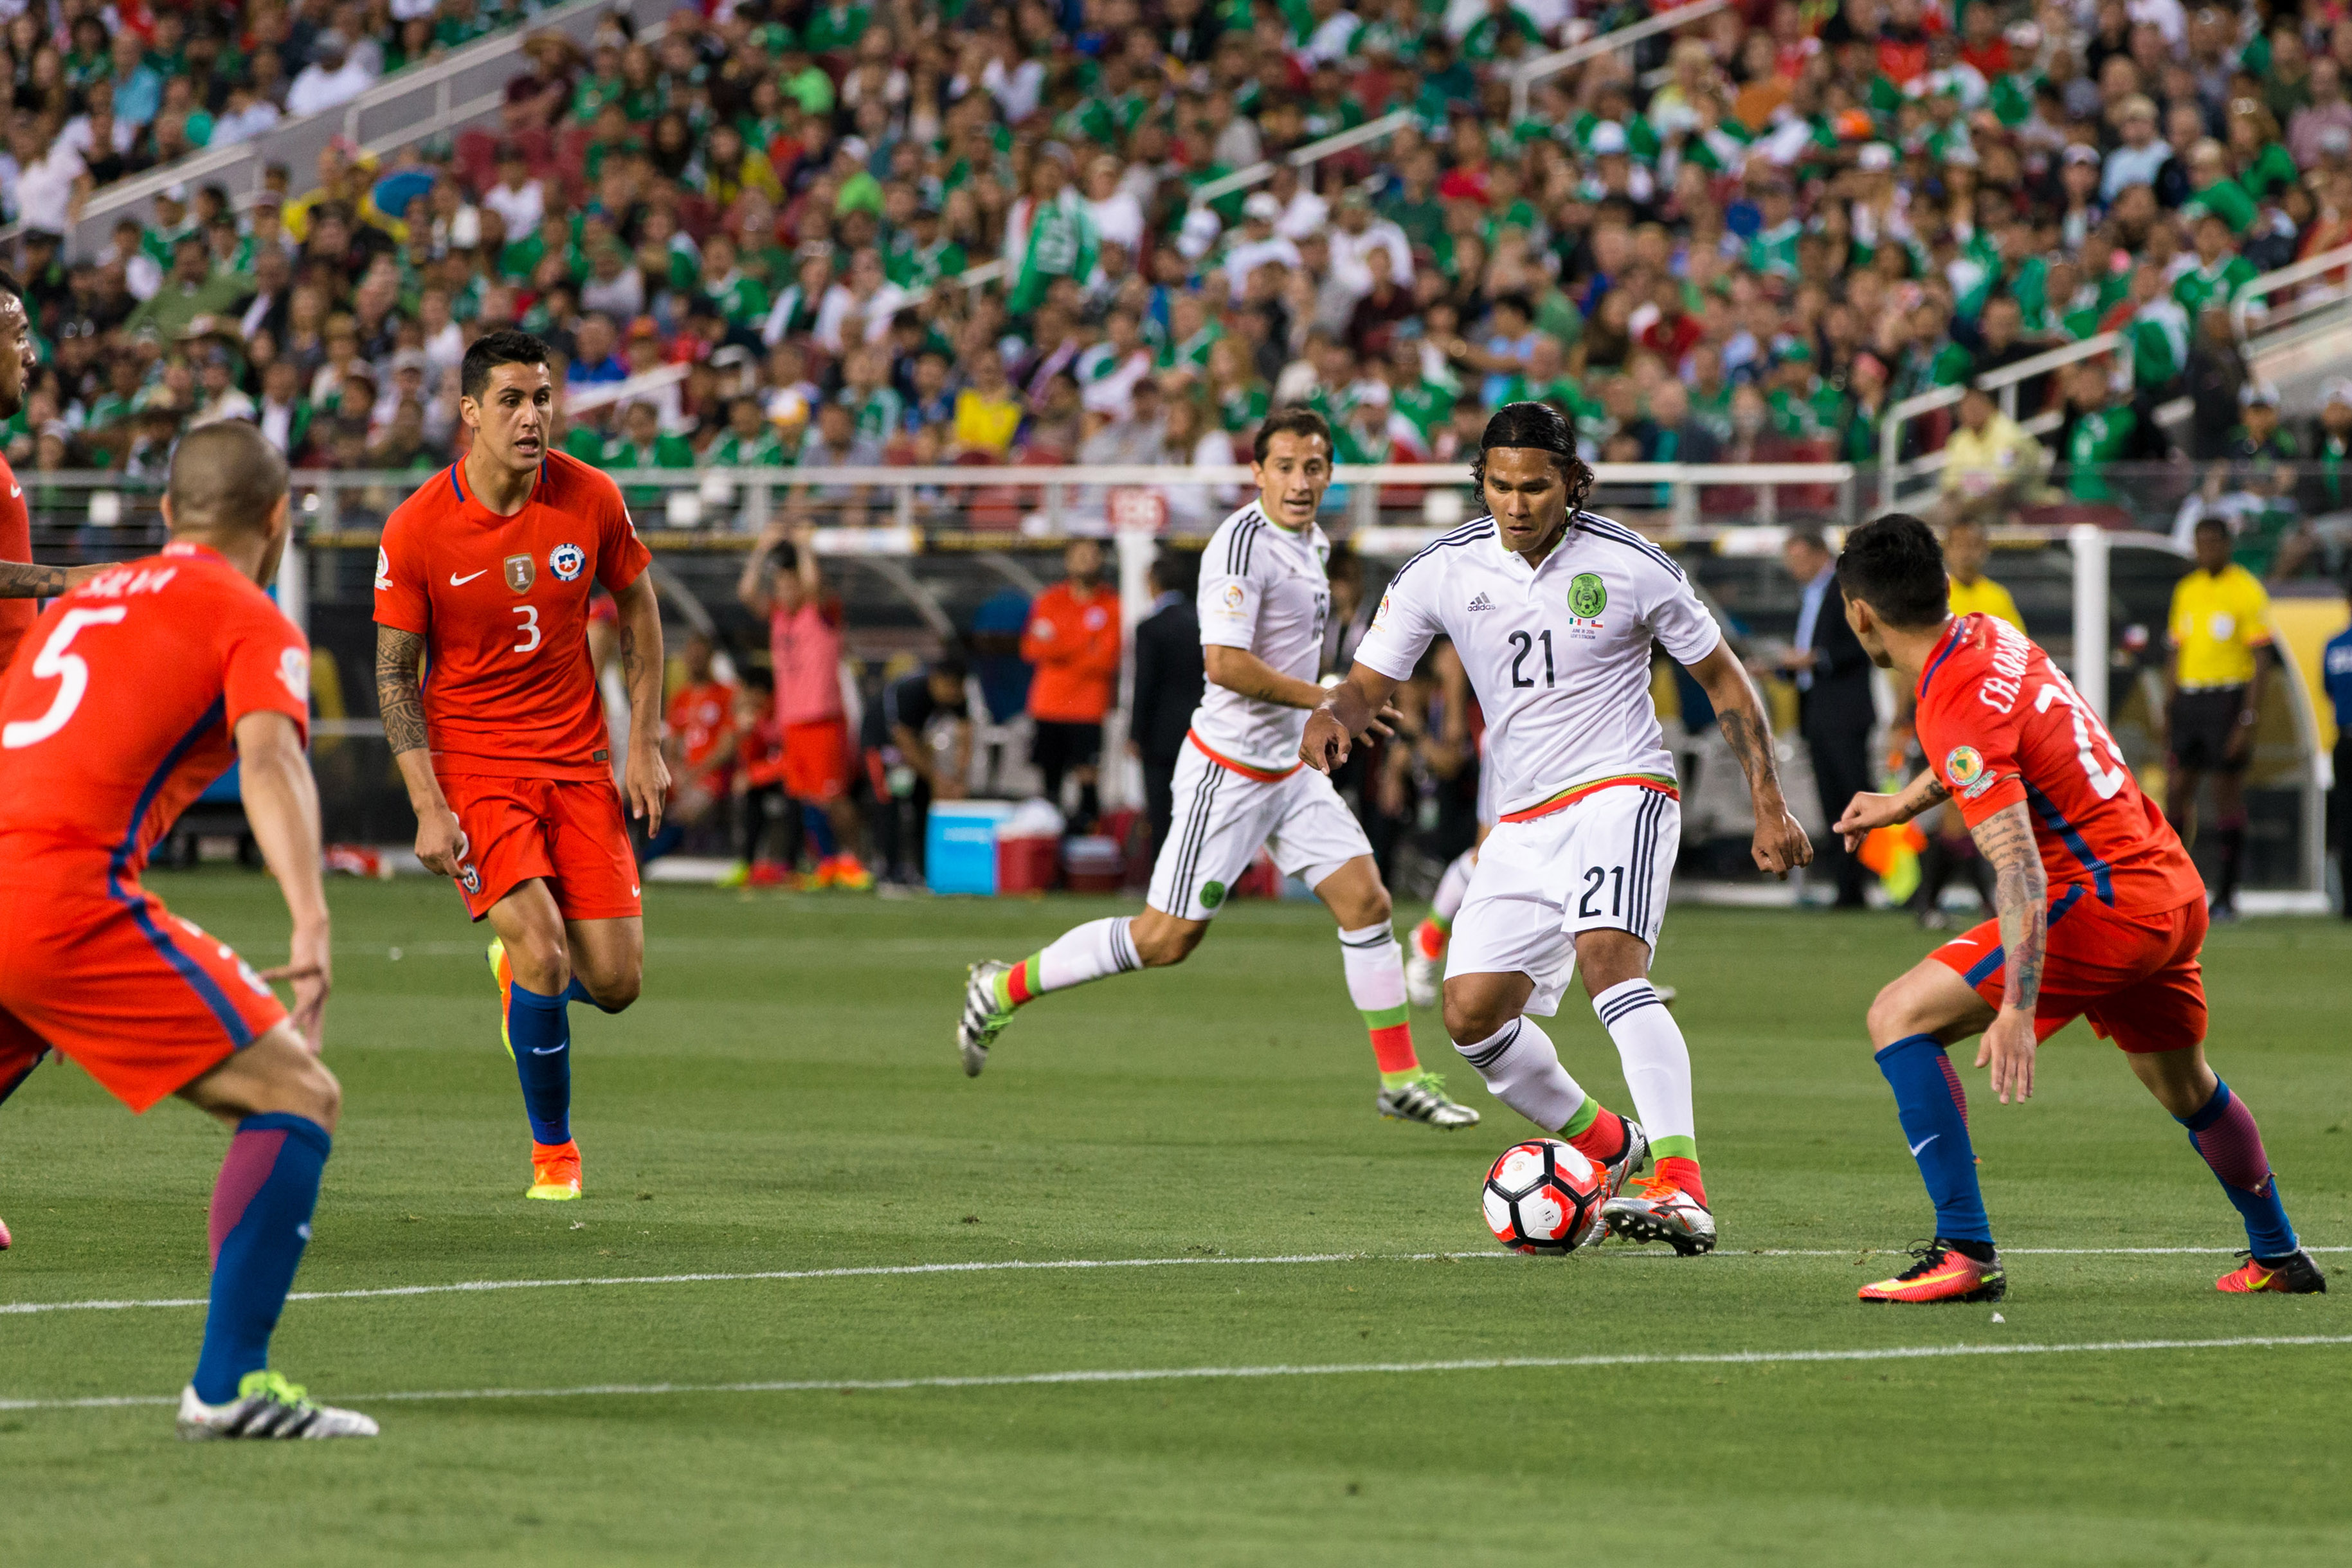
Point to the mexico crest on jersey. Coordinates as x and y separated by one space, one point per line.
567 561
1588 596
521 572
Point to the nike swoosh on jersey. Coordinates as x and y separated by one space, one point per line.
1923 1142
456 581
545 1050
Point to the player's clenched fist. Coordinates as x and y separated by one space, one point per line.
440 841
1781 846
1325 745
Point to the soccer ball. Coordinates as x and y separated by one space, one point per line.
1543 1197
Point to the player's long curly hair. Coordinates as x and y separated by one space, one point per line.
1536 425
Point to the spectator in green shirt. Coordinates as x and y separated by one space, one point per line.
191 289
642 443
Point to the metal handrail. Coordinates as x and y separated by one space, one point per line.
1892 470
294 141
2242 304
1312 153
1526 76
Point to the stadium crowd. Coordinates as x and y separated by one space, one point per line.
1744 242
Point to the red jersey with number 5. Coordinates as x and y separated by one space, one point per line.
2000 724
120 706
502 605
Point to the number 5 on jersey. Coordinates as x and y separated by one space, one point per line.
70 671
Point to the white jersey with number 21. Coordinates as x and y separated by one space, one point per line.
1559 654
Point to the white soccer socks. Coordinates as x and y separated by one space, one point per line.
1375 967
1521 1067
1083 953
1656 1065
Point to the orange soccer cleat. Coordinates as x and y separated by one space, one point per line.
1943 1273
554 1170
2296 1276
844 870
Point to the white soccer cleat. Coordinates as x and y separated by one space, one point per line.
267 1405
1423 1099
984 1017
1423 975
1658 1210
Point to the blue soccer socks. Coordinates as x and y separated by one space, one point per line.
2224 1133
260 1222
541 1028
1935 1113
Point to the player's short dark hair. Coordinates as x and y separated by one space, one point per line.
1295 419
504 347
225 479
1177 571
1893 565
2218 525
950 665
1544 428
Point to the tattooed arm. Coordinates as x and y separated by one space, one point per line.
646 777
2021 897
1781 844
22 580
1866 812
440 841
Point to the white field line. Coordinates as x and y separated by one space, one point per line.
1183 1374
468 1287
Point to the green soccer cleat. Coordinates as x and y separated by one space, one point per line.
267 1405
1423 1099
984 1015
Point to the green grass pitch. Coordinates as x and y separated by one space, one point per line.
785 1098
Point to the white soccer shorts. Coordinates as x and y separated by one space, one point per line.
1603 864
1222 817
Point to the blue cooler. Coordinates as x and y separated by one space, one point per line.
960 845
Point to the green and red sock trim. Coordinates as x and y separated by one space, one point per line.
1019 984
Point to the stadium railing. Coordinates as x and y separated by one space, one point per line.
916 551
462 90
1894 471
1305 157
1524 75
2253 310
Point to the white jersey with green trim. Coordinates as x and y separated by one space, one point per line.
1264 589
1559 654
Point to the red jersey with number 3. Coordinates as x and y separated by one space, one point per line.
2001 725
120 706
17 615
502 605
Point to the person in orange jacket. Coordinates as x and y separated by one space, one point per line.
1072 640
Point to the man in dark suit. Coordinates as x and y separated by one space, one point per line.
1168 684
1835 712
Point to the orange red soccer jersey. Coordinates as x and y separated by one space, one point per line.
1074 643
502 605
119 710
17 615
2000 724
702 716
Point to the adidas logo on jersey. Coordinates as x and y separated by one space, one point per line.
1482 603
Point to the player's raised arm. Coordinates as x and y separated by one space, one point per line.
1357 703
440 841
281 806
646 775
1781 844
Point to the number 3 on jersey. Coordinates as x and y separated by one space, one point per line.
528 628
70 671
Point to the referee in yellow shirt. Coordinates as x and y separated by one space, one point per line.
2220 642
